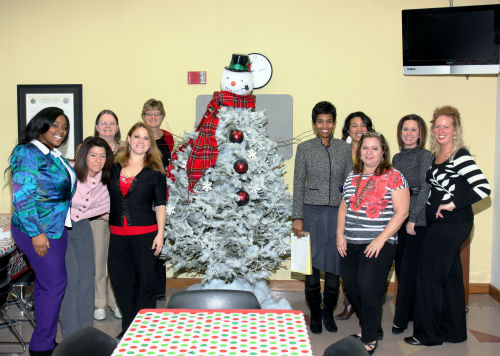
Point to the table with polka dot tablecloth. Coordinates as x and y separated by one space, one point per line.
216 332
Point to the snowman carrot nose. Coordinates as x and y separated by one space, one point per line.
233 83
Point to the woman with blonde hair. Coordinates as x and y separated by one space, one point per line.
137 183
456 183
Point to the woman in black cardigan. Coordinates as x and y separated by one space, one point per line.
137 216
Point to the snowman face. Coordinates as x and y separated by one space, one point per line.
240 83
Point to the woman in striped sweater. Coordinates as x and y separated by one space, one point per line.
375 202
456 183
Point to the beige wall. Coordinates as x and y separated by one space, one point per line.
348 52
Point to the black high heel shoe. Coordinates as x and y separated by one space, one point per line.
412 341
371 347
397 330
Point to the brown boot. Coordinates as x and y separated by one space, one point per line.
347 312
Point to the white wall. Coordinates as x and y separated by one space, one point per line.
495 244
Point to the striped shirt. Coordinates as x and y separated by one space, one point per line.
458 180
369 205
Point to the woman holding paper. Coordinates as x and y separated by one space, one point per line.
321 166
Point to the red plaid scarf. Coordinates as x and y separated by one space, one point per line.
204 149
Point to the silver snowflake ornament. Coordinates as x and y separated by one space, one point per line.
170 210
254 188
251 154
206 185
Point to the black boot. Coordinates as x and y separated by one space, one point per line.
313 299
329 303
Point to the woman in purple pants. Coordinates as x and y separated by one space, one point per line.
43 184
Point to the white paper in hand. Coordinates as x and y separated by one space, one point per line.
301 253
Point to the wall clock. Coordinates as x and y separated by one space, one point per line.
261 68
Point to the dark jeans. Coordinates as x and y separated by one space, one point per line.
407 255
365 279
131 266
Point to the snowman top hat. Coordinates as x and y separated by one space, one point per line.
239 63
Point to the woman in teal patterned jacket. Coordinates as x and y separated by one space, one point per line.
43 184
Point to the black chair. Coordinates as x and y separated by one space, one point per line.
86 342
4 295
348 346
213 299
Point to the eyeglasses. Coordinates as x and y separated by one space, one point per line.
152 113
105 123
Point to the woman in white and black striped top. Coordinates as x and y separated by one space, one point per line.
456 183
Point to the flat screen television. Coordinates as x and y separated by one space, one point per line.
451 40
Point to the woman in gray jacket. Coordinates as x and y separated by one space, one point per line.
321 166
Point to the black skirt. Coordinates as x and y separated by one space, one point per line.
321 222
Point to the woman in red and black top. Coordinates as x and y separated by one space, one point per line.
153 114
137 183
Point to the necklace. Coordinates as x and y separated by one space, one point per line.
360 196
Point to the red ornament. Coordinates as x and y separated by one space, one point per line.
244 198
236 136
240 166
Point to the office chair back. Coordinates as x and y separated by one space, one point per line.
86 342
213 299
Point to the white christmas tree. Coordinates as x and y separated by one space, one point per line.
235 223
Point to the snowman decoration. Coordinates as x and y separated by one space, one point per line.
228 206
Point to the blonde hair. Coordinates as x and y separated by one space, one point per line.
454 115
152 159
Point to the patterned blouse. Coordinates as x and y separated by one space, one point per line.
369 205
43 184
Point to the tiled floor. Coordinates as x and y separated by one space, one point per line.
483 325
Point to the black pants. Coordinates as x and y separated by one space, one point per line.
131 266
161 277
440 296
365 279
407 255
